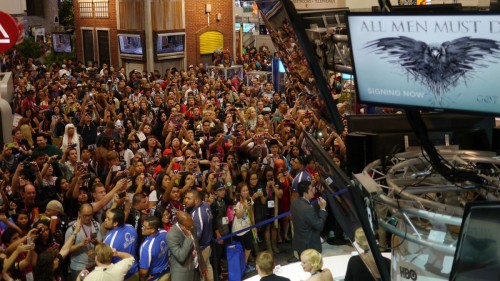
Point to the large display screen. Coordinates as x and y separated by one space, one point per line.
247 27
438 62
170 43
61 42
130 44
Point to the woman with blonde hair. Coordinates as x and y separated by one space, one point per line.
312 261
26 132
71 138
249 118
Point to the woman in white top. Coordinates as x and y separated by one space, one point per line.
312 261
71 137
243 218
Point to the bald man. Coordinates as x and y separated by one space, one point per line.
186 262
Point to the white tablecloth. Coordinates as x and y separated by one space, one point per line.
294 272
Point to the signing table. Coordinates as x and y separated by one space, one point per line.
294 272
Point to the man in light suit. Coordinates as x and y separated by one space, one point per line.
186 262
308 221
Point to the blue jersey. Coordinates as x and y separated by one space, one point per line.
202 218
154 254
123 239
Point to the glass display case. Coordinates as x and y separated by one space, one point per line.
227 72
262 76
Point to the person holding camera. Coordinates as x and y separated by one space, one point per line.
243 218
83 250
69 162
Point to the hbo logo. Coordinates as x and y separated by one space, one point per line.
408 273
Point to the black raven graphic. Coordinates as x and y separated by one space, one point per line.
438 66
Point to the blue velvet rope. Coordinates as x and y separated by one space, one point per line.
270 220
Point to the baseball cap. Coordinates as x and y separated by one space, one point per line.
219 186
79 85
55 205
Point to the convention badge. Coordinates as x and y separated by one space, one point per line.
270 204
225 220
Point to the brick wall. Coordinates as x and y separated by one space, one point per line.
196 24
104 23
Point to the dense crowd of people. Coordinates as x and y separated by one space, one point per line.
140 161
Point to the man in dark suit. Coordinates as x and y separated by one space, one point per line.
186 262
265 266
307 220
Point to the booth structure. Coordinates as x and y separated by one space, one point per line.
6 92
226 73
261 76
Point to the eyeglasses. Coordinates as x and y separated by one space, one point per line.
146 227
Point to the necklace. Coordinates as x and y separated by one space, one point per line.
316 272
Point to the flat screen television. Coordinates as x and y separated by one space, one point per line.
433 61
477 256
247 27
61 42
171 44
130 44
346 76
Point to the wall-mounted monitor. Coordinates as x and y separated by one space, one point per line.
61 42
131 45
170 45
346 76
247 27
427 61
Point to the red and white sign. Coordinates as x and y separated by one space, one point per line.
8 31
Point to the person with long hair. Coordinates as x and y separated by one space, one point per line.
45 125
33 120
48 267
164 215
151 152
162 181
23 221
244 217
45 239
59 121
273 191
249 118
171 199
71 138
27 135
